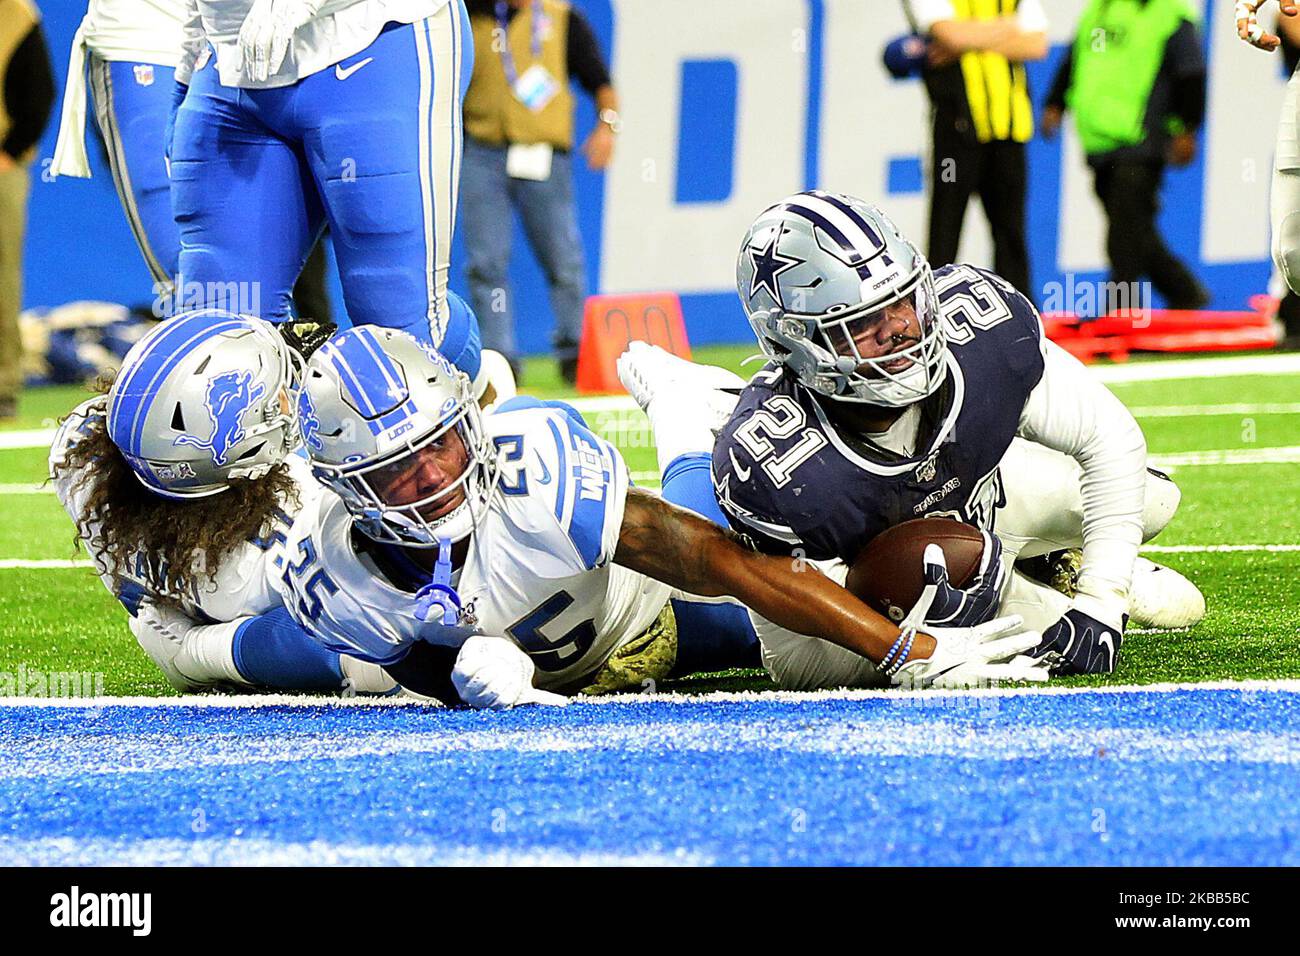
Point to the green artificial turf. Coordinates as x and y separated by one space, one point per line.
61 619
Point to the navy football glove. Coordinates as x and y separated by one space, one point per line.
1081 643
973 604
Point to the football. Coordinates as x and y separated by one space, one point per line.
889 575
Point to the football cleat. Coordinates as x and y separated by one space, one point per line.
496 379
307 335
1161 597
650 373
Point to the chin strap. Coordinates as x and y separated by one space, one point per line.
438 595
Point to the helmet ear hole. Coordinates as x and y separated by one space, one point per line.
252 452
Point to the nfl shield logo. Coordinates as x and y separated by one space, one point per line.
143 74
926 470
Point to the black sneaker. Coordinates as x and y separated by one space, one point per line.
8 407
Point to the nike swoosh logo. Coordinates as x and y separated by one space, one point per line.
741 473
1106 639
546 472
343 74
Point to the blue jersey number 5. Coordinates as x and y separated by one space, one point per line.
547 653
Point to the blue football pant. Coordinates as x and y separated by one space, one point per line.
132 101
372 146
711 636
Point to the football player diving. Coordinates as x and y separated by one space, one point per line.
504 557
893 392
182 481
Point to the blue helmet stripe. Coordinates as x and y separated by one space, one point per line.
367 371
825 225
168 332
160 358
854 216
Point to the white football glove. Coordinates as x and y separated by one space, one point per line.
267 33
978 656
161 631
968 656
492 672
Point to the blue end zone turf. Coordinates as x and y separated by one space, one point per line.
1206 776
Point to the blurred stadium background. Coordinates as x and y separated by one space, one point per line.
740 109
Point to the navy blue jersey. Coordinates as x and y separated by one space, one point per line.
790 480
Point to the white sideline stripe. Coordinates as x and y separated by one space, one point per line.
26 489
1284 364
202 851
62 564
1189 411
255 701
1217 548
33 438
1284 455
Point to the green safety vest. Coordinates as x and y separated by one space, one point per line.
1117 55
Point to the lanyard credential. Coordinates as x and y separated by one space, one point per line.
507 56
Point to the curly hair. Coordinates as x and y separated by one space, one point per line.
182 540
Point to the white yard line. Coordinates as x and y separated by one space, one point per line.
26 489
1287 363
42 564
1285 455
1197 411
34 438
1218 548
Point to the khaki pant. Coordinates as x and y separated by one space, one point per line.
14 185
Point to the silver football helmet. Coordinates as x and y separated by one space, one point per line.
816 274
205 397
374 402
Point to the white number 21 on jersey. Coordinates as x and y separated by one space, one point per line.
780 417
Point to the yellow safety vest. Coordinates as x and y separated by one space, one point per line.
996 88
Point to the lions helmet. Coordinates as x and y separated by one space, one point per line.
374 402
816 273
204 397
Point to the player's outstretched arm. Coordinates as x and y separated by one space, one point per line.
682 549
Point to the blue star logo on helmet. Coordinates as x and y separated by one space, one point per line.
230 395
308 422
768 265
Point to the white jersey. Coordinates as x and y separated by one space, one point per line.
539 569
148 32
246 582
339 29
